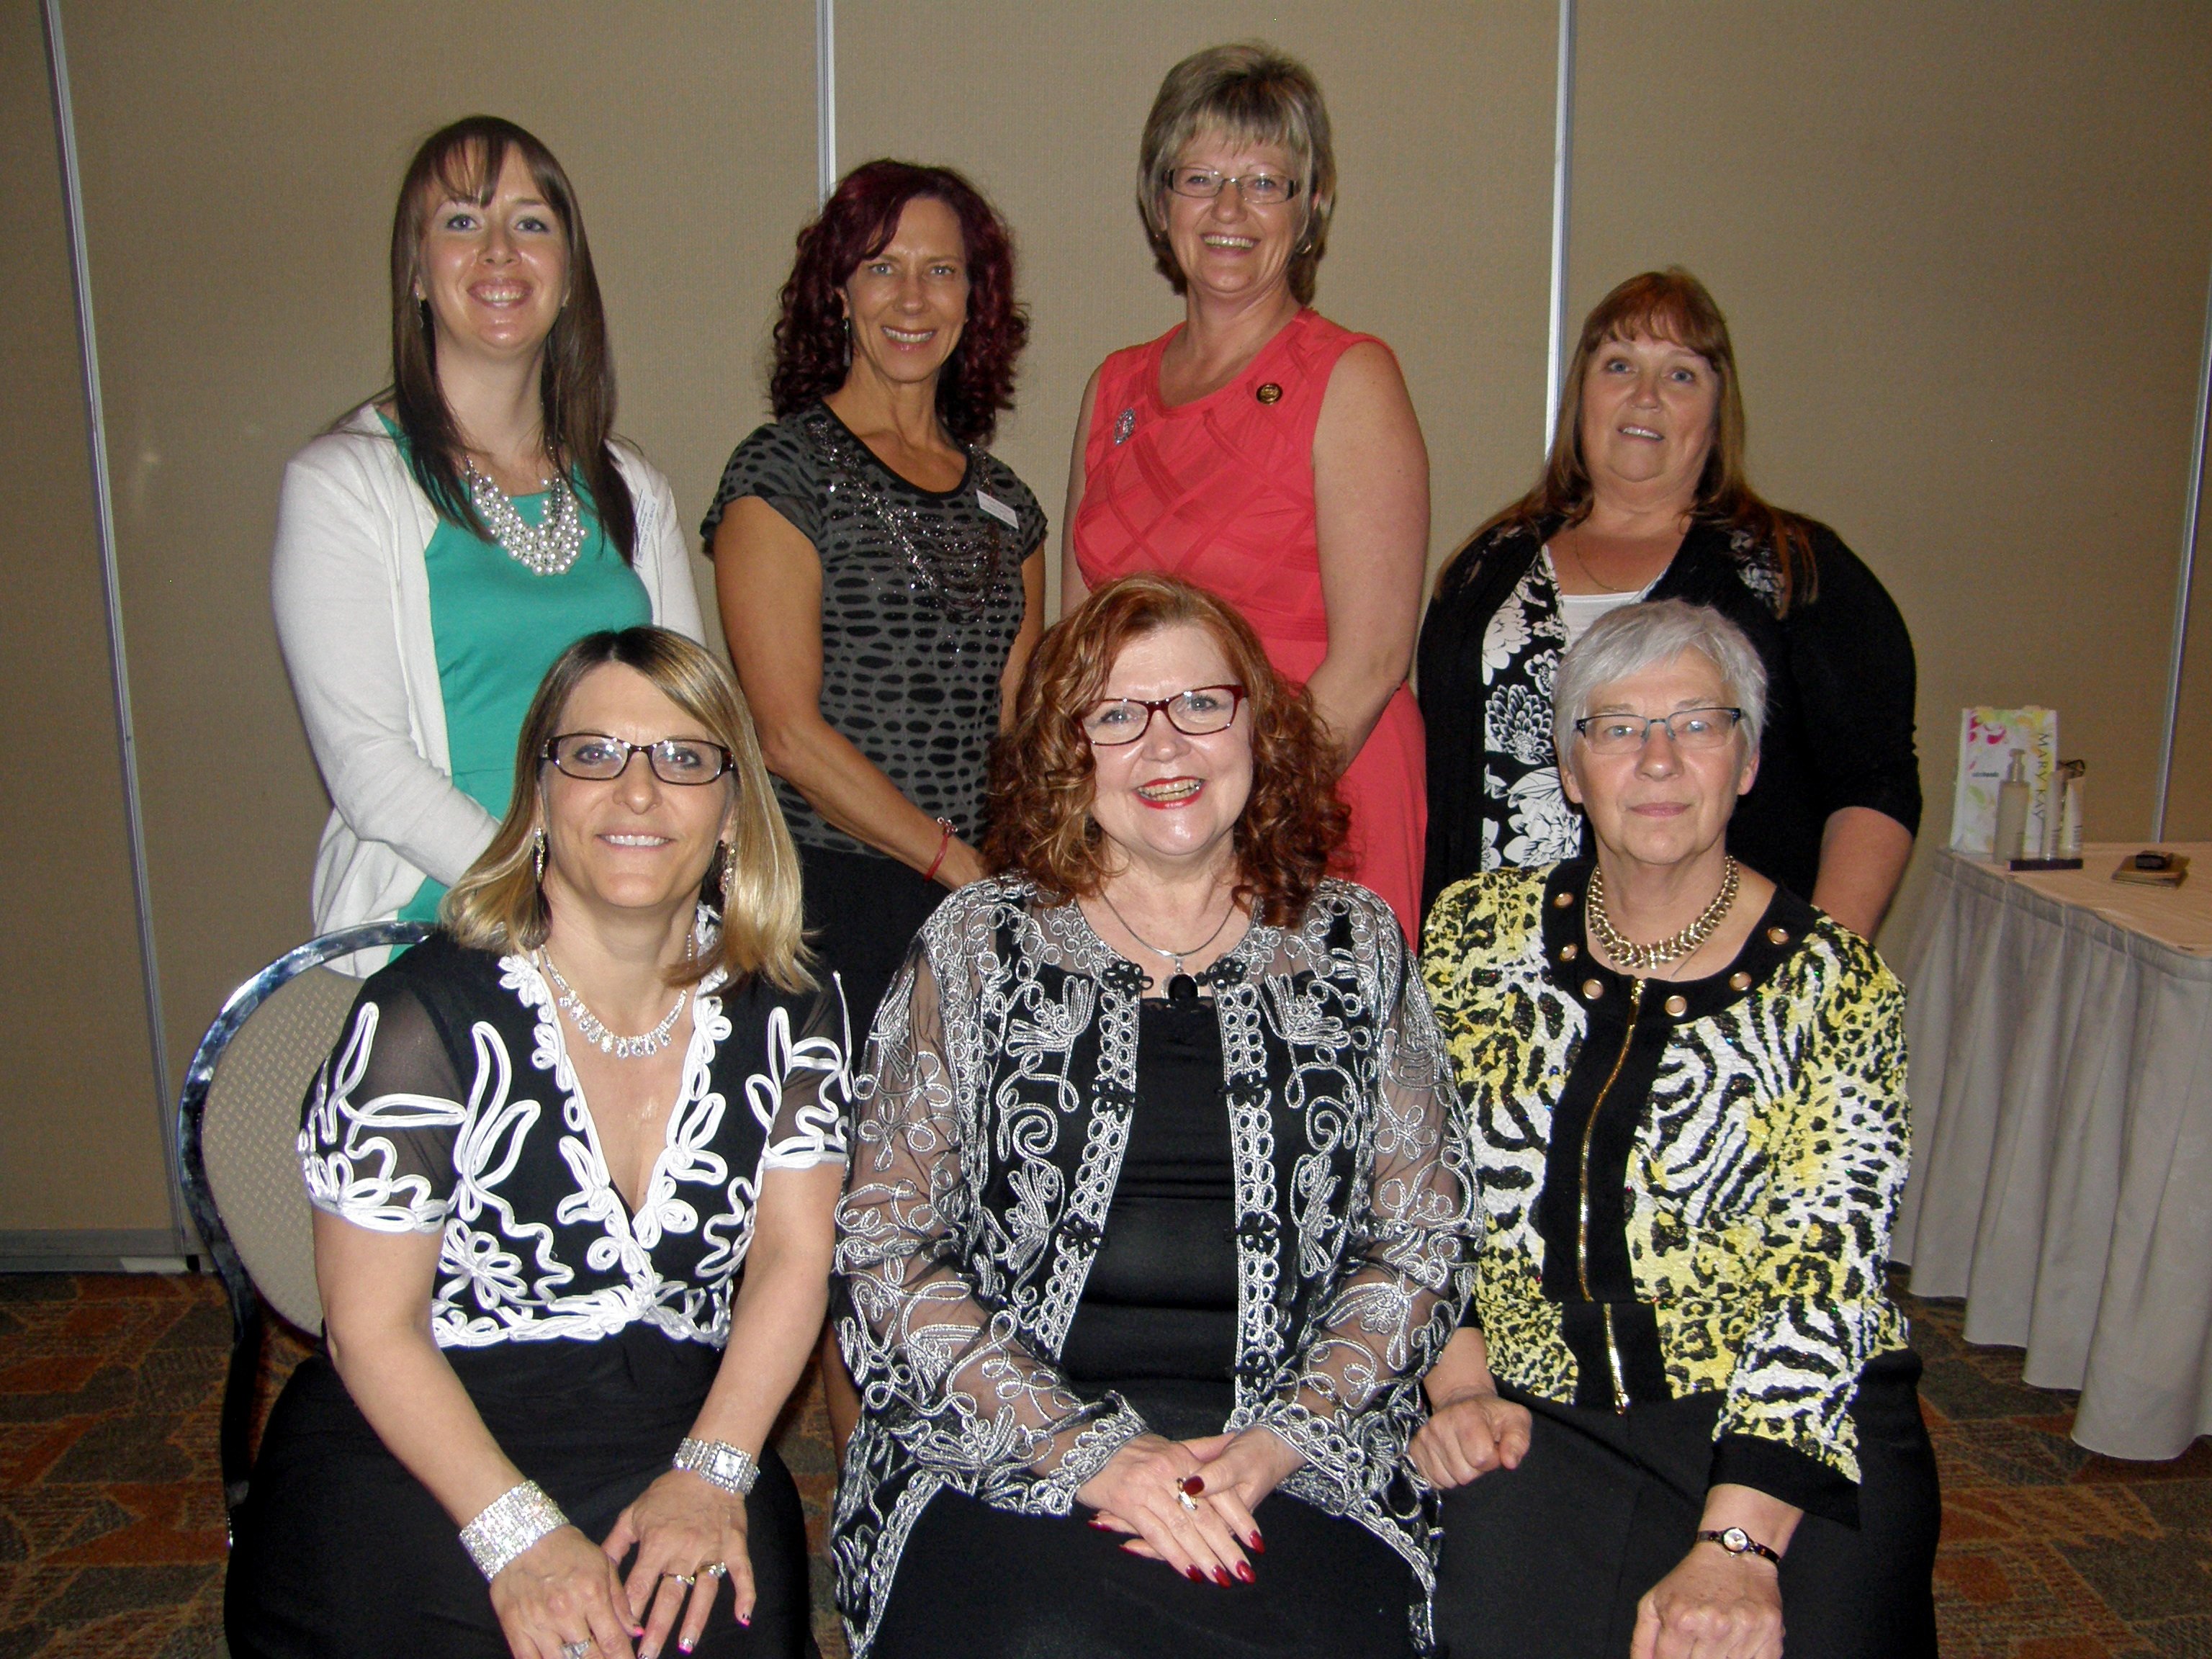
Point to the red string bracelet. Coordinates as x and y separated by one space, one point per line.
944 846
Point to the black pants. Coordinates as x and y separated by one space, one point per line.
862 913
340 1553
976 1582
1548 1561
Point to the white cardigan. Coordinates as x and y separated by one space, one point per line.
352 596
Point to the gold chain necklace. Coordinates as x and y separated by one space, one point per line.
1643 958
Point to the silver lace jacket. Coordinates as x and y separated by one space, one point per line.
987 1135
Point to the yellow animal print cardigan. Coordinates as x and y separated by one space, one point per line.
1689 1187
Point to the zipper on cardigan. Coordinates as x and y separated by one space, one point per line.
1582 1238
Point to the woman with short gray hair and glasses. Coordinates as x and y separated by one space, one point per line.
1681 1410
1258 450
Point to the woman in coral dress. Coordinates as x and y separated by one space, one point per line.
1262 451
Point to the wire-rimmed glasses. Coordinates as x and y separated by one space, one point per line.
1258 189
595 758
1198 712
1688 728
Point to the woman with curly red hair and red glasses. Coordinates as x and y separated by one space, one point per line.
1158 1203
880 574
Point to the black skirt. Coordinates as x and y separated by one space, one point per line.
340 1552
1549 1560
862 912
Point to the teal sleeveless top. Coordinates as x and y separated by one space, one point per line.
497 626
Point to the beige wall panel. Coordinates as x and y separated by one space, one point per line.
80 1141
1962 250
240 163
1442 118
2188 798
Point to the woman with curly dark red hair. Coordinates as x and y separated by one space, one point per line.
879 576
1157 1208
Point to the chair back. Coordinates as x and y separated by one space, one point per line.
238 1122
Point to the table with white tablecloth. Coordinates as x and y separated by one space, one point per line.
2060 1027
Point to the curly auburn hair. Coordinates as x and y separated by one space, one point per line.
1043 776
813 352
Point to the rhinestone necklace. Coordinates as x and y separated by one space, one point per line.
594 1031
1642 958
545 548
959 571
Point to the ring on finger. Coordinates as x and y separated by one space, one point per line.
575 1650
686 1579
716 1569
1184 1498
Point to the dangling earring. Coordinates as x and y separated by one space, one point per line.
538 860
729 873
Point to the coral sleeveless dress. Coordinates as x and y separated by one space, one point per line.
1219 491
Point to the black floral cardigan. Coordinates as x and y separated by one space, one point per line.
988 1138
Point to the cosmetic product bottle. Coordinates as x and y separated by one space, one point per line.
2012 811
2069 816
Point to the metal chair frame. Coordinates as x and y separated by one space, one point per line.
247 1320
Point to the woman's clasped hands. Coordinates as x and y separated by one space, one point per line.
1189 1503
564 1597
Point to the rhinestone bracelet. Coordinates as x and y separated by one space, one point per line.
508 1525
718 1464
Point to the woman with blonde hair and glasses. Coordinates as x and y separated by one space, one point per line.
1645 497
1258 450
573 1160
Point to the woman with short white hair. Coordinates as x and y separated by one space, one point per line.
1681 1410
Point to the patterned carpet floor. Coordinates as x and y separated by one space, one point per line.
112 1527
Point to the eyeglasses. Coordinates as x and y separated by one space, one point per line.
596 757
1623 734
1198 712
1258 189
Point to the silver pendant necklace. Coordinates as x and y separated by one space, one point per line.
594 1031
1642 958
546 548
1182 987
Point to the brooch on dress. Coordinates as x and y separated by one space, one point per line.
1269 393
1124 424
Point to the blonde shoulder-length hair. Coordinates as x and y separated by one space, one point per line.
499 905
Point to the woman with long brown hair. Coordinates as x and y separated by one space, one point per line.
1645 497
443 544
1158 1209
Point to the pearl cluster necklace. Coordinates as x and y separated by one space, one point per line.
1643 958
594 1031
547 548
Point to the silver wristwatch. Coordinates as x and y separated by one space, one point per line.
718 1464
1736 1541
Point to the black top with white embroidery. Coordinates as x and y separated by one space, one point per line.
1839 702
913 645
449 1105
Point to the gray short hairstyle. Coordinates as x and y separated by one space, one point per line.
1253 91
1640 636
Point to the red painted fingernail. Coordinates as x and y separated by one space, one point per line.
1221 1577
1244 1571
1255 1545
1101 1525
1194 1575
1194 1485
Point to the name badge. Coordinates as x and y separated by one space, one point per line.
999 510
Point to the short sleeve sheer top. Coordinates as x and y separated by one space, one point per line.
449 1105
921 598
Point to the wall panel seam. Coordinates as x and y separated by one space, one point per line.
2184 577
1563 156
112 593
